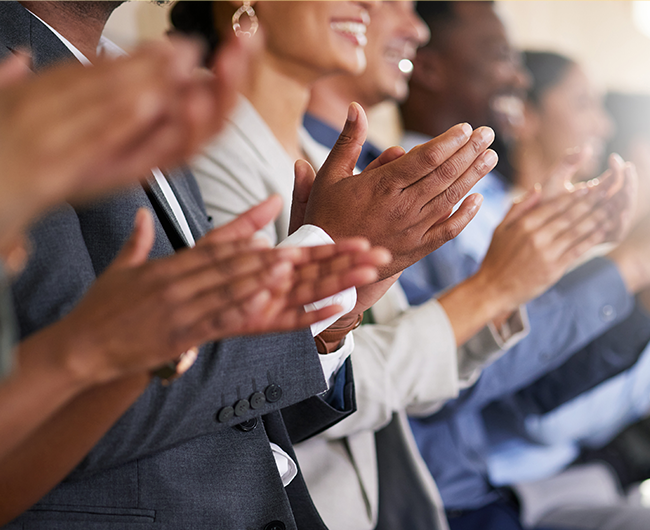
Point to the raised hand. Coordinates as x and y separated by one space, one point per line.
140 314
72 132
404 205
540 238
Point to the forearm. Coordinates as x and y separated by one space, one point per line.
40 385
52 450
472 304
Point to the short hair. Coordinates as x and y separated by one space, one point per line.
439 15
547 69
196 19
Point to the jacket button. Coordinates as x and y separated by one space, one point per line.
225 414
248 425
257 400
273 393
275 525
241 407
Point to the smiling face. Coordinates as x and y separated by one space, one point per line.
480 74
312 39
394 36
571 114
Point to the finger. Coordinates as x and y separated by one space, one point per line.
440 233
522 205
303 182
309 291
250 222
136 250
423 159
376 257
390 154
233 293
580 230
573 252
15 68
344 155
443 197
198 277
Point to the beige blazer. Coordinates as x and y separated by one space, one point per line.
407 362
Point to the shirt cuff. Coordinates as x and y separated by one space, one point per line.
512 330
312 236
332 362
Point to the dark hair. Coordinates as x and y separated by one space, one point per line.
197 20
439 15
547 69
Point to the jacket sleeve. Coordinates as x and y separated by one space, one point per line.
582 306
284 368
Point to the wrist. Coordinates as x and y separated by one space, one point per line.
330 339
492 299
52 354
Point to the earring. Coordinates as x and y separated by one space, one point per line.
236 26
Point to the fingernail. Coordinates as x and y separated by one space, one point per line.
537 188
477 202
467 129
487 134
490 158
353 112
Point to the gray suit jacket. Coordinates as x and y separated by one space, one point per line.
171 462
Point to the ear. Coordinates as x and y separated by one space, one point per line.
428 70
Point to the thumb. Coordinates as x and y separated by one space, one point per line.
523 204
343 157
14 68
136 250
303 182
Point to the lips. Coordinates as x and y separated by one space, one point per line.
400 55
353 30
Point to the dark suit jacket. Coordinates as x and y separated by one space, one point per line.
169 462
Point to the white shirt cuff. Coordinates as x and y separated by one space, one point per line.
332 362
312 236
287 468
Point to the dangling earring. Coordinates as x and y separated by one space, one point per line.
236 26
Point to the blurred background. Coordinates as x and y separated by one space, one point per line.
611 39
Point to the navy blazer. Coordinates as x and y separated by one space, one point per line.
172 461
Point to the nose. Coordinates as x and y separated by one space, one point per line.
419 30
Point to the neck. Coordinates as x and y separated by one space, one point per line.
331 97
281 101
82 23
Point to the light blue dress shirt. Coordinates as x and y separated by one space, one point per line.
583 305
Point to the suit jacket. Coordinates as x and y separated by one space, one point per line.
171 462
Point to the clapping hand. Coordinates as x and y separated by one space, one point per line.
140 314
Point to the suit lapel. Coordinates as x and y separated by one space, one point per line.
20 30
166 215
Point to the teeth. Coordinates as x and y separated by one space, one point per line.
355 28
